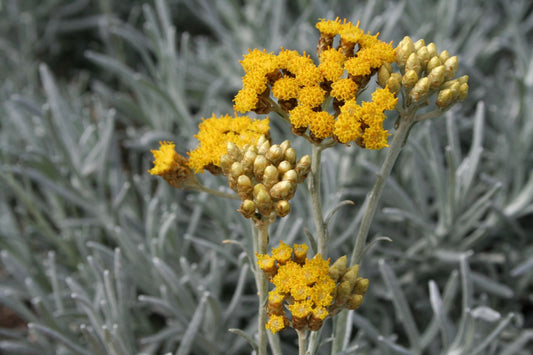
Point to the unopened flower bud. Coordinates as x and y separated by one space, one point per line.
286 144
444 98
463 79
395 82
260 164
361 285
420 90
258 188
432 49
247 208
354 302
419 44
233 151
236 170
248 160
423 56
451 65
351 275
263 148
291 176
274 154
444 55
282 208
463 92
409 79
404 50
283 167
338 268
282 190
413 63
244 187
383 75
270 176
264 203
344 291
433 63
436 77
303 166
290 155
225 164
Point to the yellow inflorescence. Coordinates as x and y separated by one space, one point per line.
214 134
173 167
304 90
309 289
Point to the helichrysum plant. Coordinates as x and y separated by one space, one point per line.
322 102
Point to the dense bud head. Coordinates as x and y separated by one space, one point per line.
420 90
409 79
282 208
436 77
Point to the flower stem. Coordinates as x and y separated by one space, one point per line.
260 247
302 341
374 196
316 203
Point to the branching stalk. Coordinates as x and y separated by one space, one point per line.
302 341
316 202
374 196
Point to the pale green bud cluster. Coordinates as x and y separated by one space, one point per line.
265 176
351 287
423 72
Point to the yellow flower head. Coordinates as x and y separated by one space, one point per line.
283 253
215 132
311 96
300 309
285 88
300 116
332 55
344 89
173 167
245 100
276 323
329 27
321 124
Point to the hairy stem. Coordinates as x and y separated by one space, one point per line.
302 341
316 202
260 246
374 196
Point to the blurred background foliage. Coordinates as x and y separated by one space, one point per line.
98 257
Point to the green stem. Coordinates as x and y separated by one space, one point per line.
374 196
316 203
260 247
214 192
302 341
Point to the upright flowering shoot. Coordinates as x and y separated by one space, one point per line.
312 97
308 290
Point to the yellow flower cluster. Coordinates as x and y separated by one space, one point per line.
170 165
310 289
303 89
214 133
